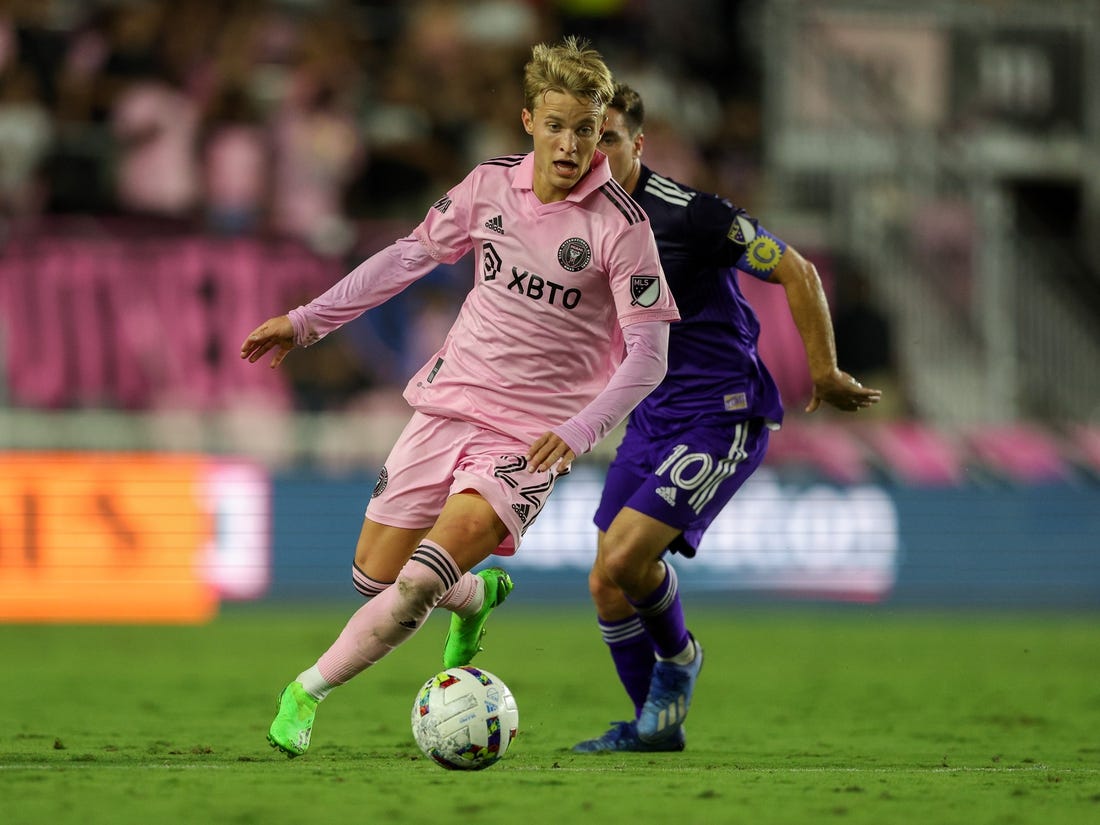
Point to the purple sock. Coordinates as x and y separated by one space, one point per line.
662 616
632 653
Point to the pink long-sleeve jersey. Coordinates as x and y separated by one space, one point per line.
539 335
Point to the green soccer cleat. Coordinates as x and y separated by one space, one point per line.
293 723
464 636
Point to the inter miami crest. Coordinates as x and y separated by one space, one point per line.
383 480
644 290
574 255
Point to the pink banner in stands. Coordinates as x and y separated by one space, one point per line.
145 324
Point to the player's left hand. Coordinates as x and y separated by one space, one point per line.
840 390
547 451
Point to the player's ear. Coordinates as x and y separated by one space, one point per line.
528 122
639 144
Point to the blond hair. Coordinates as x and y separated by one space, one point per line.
571 67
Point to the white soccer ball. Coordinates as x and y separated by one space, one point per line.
464 718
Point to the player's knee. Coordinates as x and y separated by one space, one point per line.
600 587
624 571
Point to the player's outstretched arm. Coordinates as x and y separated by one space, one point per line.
376 280
810 310
275 333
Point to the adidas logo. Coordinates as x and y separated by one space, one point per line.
495 225
673 714
523 511
668 494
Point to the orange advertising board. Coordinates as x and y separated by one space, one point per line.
109 537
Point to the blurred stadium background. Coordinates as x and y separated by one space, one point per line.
173 173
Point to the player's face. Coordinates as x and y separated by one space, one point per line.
566 131
624 153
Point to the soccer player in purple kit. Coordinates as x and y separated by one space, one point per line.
533 372
692 443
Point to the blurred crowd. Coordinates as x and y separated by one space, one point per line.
303 117
336 123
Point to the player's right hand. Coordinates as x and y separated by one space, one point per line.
842 391
275 333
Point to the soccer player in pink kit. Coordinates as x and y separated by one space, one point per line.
564 331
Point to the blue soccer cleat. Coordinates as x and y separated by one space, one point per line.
623 736
669 698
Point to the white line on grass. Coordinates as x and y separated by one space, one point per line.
588 767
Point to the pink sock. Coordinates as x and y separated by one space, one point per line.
391 617
367 586
466 597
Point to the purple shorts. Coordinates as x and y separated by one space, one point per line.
683 479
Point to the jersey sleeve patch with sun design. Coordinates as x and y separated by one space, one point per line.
762 254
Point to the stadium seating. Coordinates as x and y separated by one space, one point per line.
1018 452
825 447
913 452
1083 444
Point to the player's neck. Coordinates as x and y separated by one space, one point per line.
630 182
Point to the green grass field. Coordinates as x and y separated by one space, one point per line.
802 716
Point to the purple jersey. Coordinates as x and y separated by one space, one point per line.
715 373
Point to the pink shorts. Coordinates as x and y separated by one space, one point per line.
434 458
